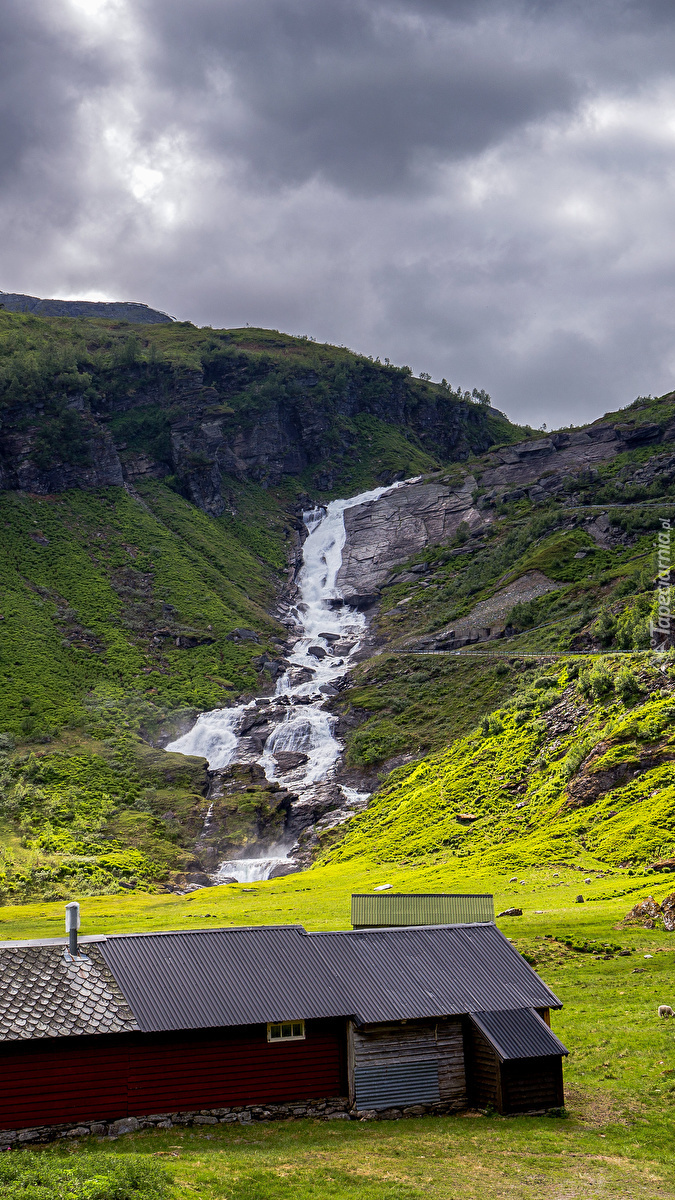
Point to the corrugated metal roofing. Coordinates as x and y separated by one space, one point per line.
201 979
223 977
519 1033
430 908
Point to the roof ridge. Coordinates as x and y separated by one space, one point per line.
55 941
207 929
402 928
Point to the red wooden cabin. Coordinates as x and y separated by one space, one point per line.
139 1024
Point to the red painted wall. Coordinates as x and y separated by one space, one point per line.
86 1079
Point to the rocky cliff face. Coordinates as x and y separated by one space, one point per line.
212 409
392 529
118 310
542 468
308 429
384 534
46 456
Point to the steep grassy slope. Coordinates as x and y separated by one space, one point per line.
417 704
602 594
577 767
118 618
104 594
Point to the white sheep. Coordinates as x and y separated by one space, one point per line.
666 1011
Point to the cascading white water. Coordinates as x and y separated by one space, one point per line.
306 726
248 870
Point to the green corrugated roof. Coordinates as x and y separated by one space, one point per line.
396 909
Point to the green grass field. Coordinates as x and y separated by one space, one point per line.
600 1151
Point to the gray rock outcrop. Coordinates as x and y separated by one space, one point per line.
487 619
386 532
118 310
542 466
24 465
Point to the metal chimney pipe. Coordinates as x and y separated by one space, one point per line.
72 926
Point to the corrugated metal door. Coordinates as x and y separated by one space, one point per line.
391 1085
417 1063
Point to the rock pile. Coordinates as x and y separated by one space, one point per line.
651 915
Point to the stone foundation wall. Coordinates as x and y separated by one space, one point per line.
321 1110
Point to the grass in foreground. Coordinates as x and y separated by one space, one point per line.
596 1153
31 1176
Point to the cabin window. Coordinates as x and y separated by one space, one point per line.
286 1031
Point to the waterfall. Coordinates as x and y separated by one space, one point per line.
337 631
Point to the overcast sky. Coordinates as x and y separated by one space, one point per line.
483 189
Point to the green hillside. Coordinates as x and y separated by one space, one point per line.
578 766
601 600
153 482
88 580
126 571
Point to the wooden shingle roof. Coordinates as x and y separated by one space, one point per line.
43 994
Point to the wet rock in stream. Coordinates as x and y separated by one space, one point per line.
288 760
247 814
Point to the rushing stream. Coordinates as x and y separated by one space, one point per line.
325 636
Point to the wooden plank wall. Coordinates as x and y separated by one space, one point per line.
483 1071
383 1045
530 1083
88 1079
517 1086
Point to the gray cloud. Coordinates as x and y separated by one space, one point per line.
359 93
45 69
481 188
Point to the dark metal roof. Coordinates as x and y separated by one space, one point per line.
433 971
430 908
43 994
519 1033
207 978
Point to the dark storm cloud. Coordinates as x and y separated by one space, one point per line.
365 94
481 188
45 68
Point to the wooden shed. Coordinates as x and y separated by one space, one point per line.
507 1059
380 1019
514 1061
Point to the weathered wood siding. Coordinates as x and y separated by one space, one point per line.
519 1085
401 1053
529 1083
86 1079
483 1070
